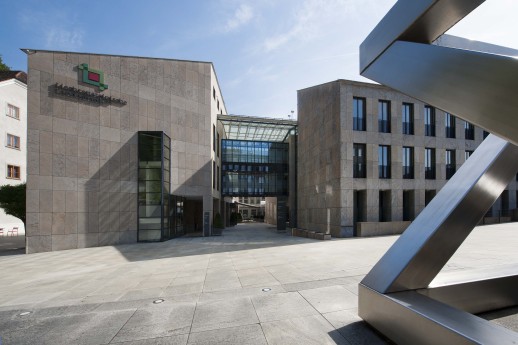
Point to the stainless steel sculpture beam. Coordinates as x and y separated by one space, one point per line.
398 296
434 236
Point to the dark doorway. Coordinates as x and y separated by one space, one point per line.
359 207
385 207
408 205
428 196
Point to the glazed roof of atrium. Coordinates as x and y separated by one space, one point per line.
238 127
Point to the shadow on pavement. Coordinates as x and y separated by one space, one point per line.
12 245
245 236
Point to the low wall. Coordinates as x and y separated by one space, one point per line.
368 229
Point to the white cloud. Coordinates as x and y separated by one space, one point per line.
242 16
60 38
313 18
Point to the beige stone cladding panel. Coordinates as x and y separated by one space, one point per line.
319 166
88 153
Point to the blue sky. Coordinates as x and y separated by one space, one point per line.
263 50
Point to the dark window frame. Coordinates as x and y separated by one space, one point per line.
408 169
449 125
359 161
429 163
450 163
384 114
384 170
407 118
429 121
359 114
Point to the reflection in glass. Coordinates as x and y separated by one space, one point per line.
153 186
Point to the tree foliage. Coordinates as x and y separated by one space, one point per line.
3 66
12 200
218 222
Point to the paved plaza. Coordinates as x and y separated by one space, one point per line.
250 286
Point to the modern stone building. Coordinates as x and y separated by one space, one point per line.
131 149
370 158
111 138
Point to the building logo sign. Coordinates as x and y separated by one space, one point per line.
92 76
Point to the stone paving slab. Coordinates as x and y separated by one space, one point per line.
250 286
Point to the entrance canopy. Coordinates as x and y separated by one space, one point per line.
257 128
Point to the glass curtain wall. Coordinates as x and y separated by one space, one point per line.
254 168
154 152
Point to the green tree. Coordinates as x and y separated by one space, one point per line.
3 66
12 200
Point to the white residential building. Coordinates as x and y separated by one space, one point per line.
13 133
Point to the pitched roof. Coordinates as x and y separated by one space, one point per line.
18 75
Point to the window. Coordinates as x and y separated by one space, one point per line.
214 138
384 116
213 175
214 93
467 154
429 121
407 114
13 111
359 111
469 131
217 143
449 125
429 164
218 104
450 163
485 134
384 161
359 161
13 171
217 182
408 162
13 141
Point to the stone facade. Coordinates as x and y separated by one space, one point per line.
326 186
82 157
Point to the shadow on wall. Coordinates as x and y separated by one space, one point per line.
110 195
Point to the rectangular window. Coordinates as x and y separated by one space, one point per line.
469 131
13 172
13 111
408 162
485 134
213 175
359 161
384 161
218 142
217 182
214 93
13 141
359 110
429 164
214 138
450 163
449 125
467 154
407 114
429 121
384 116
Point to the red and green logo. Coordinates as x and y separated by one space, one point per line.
92 76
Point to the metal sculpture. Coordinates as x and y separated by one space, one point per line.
397 297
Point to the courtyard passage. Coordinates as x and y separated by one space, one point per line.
251 285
